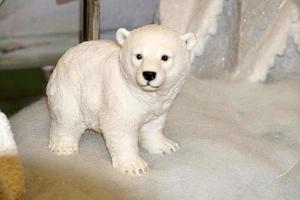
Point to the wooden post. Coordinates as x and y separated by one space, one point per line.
90 20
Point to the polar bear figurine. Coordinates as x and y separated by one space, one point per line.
123 90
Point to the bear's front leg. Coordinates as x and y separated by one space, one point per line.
122 144
152 138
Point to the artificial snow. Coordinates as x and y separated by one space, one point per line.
236 138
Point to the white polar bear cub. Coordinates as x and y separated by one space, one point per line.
123 90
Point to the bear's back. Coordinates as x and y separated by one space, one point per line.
84 53
83 64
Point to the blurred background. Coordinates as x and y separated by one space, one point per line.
35 33
256 40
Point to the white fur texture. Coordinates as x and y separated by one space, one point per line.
100 85
7 143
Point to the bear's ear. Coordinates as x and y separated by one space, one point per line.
122 35
189 39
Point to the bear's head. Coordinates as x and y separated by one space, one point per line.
154 57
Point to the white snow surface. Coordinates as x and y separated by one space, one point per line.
235 137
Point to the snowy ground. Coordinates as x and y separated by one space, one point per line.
235 138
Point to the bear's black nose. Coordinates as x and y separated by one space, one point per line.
149 76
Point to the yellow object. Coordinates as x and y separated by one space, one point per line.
11 178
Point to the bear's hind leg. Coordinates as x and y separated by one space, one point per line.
67 124
65 137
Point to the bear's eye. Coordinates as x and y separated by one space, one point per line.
139 56
165 58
